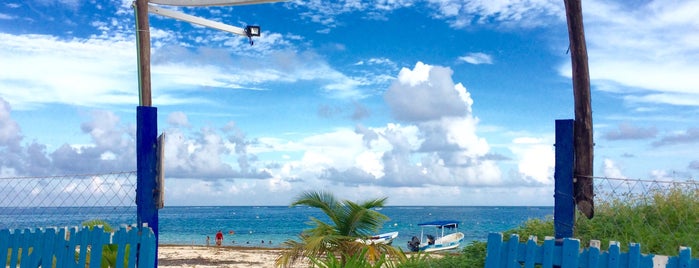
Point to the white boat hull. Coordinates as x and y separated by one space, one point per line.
386 238
447 242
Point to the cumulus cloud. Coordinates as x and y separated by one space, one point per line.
536 158
611 169
203 154
9 129
427 93
443 138
438 145
111 149
178 119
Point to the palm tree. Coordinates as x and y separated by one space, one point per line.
349 222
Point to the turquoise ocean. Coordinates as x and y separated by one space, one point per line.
251 226
269 226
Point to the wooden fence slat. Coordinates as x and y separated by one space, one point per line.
69 247
571 253
62 247
593 254
492 253
530 255
4 245
135 248
15 244
48 240
549 245
119 238
28 244
96 237
613 255
512 248
685 257
148 248
634 255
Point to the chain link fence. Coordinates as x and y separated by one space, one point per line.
68 200
649 212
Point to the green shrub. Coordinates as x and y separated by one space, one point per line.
660 220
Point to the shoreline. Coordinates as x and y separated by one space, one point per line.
218 256
170 255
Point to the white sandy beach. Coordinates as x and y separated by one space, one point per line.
226 256
201 256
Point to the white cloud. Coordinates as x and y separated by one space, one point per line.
178 119
40 69
650 50
530 13
612 170
427 93
535 159
477 58
9 129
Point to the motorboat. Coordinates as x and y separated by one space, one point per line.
386 238
440 240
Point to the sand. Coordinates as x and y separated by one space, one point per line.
201 256
226 256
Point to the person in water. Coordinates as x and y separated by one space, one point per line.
219 238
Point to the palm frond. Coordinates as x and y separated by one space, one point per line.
350 221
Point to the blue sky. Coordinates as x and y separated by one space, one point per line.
425 102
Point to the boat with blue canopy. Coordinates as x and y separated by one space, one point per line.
439 241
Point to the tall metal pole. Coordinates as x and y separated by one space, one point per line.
583 142
146 130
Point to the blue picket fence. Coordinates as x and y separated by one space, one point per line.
568 254
66 247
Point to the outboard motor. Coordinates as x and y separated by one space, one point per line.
430 239
414 244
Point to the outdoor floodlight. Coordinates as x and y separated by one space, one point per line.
252 31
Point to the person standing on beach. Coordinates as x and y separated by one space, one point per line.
219 238
207 240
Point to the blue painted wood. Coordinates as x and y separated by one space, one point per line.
15 243
548 253
512 249
4 244
39 248
564 201
531 253
614 255
634 255
149 251
493 256
568 254
146 163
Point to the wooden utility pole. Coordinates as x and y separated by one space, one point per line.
583 143
143 44
146 130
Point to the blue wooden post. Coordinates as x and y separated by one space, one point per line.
146 141
564 202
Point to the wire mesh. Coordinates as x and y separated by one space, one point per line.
654 213
67 200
